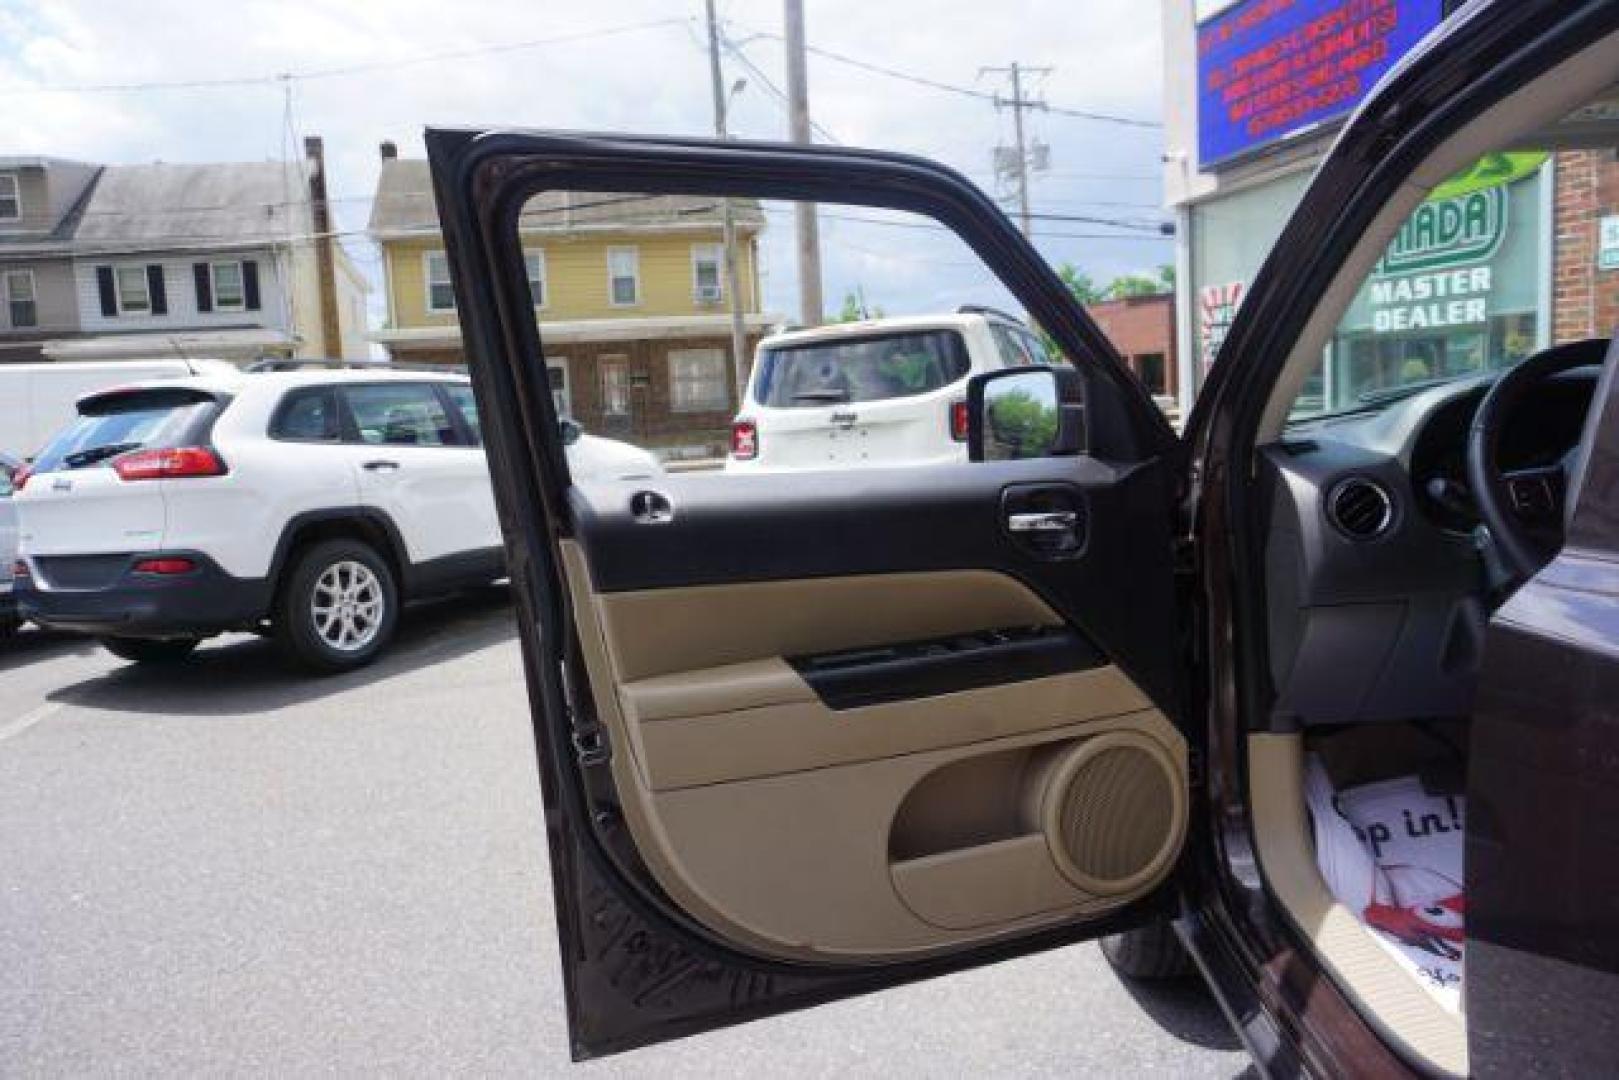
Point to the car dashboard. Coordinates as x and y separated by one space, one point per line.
1375 589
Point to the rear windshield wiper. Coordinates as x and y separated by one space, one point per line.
822 395
99 453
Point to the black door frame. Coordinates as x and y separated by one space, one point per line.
680 978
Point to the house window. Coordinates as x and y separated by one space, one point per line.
615 385
1150 366
134 294
20 298
706 285
697 381
10 198
440 293
535 262
556 370
229 293
624 276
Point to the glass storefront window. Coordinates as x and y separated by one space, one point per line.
1460 291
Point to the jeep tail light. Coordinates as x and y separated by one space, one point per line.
165 566
20 477
958 421
172 463
744 440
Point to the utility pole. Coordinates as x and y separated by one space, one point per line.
739 333
1013 163
811 309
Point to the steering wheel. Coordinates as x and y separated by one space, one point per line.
1523 509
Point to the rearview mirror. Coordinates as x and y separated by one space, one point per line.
1029 412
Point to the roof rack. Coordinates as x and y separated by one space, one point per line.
282 363
985 309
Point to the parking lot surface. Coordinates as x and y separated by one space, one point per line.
224 867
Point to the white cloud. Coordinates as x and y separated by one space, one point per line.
1105 54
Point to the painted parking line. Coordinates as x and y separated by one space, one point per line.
28 720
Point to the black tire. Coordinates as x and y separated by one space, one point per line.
1148 952
151 650
295 619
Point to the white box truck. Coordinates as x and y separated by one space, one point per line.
37 400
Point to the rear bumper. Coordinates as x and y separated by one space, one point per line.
203 601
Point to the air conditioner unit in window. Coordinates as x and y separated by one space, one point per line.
709 294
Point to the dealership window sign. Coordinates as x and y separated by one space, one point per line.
1267 69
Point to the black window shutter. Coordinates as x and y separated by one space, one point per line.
109 298
250 283
205 286
154 285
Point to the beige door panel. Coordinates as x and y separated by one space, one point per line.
774 739
801 831
802 865
674 631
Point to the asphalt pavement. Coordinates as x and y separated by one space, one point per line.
225 868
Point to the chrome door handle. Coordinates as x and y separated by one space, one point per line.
379 466
1049 521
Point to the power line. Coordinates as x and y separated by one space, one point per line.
343 70
951 88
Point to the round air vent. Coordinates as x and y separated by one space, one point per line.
1362 509
1113 811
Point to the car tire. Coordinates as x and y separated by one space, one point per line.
1148 952
151 650
337 607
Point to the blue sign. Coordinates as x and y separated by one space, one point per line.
1269 68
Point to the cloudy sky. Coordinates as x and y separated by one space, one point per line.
361 75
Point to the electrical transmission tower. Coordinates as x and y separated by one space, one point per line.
1014 163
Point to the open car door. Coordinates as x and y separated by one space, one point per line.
803 738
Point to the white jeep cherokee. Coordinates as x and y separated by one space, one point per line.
309 504
876 393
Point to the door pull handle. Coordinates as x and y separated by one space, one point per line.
1050 521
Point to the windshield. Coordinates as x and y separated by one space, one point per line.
1462 290
860 369
117 426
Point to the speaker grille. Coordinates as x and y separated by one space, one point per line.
1114 813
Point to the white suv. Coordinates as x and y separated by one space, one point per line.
875 393
308 504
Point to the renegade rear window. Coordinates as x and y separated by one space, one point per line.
116 423
860 369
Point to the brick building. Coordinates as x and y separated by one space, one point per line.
1143 329
1585 296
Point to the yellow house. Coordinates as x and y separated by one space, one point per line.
630 293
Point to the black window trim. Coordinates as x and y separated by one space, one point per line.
344 420
351 426
470 439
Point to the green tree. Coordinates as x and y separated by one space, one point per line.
855 308
1166 277
1134 285
1079 283
1020 426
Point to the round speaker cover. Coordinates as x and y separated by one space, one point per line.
1113 812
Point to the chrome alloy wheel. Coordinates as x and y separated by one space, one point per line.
347 607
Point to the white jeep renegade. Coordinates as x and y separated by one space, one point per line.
877 393
307 504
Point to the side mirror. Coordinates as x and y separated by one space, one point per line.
570 431
1028 412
